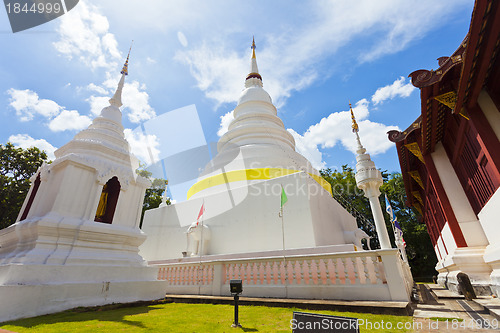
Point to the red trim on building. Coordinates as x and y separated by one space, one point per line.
36 185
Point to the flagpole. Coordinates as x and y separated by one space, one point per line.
397 236
283 240
201 246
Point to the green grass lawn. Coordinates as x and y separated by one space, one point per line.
179 317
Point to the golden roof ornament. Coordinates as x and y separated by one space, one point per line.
355 127
253 47
125 66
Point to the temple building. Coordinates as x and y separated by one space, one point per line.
258 212
261 213
450 155
75 241
240 191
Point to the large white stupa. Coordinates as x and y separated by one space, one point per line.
240 192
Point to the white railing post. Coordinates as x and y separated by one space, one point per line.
394 275
217 282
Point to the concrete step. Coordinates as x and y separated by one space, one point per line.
492 304
375 307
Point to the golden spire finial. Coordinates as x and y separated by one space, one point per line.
125 66
253 47
355 127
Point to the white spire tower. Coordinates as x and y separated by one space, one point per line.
242 185
369 179
79 226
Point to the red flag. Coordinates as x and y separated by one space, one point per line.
202 210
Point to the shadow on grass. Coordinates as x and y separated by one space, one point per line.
248 329
106 313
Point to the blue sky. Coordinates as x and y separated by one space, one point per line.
314 57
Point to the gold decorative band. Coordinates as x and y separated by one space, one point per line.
250 174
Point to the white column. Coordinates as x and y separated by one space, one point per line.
471 228
490 111
383 236
369 179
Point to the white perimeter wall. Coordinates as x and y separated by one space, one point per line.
246 220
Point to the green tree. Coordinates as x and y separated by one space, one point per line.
17 165
419 249
153 196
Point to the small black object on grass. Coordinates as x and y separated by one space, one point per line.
236 288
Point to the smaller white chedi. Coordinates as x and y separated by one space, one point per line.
239 194
75 242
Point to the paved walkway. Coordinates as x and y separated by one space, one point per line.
445 311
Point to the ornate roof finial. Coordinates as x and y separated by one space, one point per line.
253 47
355 127
125 66
116 100
254 70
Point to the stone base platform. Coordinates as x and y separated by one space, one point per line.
379 307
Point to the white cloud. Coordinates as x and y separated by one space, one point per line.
97 103
98 89
225 121
25 141
308 149
144 147
397 89
27 104
295 55
182 38
136 101
336 129
83 33
218 72
69 121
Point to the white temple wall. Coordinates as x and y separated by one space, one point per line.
44 201
447 238
489 217
490 111
252 223
438 252
330 219
469 224
440 245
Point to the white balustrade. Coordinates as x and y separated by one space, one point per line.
346 275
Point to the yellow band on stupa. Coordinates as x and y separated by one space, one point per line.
250 174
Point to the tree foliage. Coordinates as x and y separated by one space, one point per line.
17 165
154 195
419 248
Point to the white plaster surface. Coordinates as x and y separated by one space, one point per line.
253 223
447 238
59 257
467 220
242 212
489 217
490 111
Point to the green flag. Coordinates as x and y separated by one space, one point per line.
284 199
